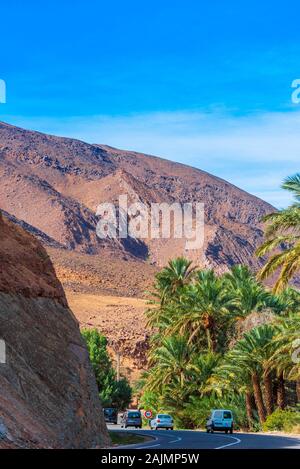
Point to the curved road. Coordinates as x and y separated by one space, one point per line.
187 439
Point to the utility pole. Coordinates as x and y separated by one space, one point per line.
118 365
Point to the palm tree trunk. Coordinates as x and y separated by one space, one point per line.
258 398
298 390
248 399
209 342
268 392
281 398
211 335
213 340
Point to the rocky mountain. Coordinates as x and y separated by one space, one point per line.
67 179
52 186
40 235
48 394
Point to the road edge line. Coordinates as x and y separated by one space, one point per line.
230 444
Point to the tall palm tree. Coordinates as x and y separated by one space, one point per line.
285 358
287 302
251 296
169 285
202 367
168 362
160 318
252 354
283 239
205 306
230 378
171 279
243 356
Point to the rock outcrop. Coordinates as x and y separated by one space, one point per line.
48 393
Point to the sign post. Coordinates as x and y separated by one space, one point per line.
148 414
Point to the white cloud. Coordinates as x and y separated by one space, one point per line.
255 152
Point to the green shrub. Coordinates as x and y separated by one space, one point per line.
112 393
285 420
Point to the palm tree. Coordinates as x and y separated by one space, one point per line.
283 239
281 395
169 361
174 277
285 349
159 318
252 354
287 302
230 378
202 366
251 296
292 184
168 287
244 359
205 306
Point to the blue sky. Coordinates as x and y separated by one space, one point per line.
203 83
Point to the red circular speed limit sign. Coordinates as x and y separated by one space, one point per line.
148 414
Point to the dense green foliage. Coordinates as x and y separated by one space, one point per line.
202 355
283 231
285 420
112 393
228 341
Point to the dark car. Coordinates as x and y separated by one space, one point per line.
110 415
131 418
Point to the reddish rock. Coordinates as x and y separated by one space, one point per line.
48 393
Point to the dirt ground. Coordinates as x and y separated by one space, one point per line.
121 320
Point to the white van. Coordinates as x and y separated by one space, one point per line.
220 419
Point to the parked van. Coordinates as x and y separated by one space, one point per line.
220 419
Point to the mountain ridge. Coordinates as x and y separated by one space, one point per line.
69 175
52 187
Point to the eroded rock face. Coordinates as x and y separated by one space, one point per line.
48 394
68 179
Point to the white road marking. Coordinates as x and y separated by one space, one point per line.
146 447
154 446
230 444
175 441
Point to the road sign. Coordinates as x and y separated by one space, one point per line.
148 414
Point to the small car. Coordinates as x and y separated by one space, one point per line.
110 415
162 421
220 419
131 418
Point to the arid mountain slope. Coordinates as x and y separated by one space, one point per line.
48 393
67 179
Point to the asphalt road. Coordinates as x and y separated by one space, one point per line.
186 439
